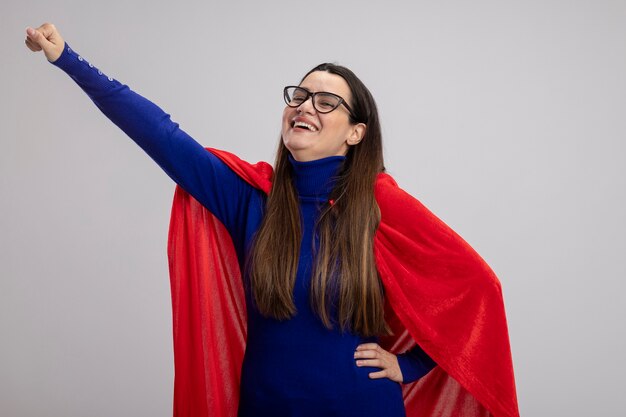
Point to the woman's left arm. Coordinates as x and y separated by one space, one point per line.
403 368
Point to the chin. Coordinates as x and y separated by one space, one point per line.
296 142
299 152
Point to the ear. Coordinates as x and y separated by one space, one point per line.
356 134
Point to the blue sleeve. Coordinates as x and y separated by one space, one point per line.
414 364
189 164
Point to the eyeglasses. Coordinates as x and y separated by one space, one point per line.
323 102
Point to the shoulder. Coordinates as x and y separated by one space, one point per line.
402 210
407 222
259 175
396 205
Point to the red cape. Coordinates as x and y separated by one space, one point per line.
439 293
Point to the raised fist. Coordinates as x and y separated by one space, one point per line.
47 38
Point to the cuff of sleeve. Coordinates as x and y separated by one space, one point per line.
409 373
414 364
64 59
90 78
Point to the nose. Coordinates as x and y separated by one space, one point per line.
306 106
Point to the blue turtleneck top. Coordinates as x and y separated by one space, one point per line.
290 368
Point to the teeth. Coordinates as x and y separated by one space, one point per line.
306 125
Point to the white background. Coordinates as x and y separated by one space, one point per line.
506 118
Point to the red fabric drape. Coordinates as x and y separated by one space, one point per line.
439 293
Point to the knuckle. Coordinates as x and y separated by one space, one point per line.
47 28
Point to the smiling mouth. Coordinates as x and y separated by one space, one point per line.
304 126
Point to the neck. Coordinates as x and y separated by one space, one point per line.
316 178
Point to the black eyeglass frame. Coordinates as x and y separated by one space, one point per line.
312 95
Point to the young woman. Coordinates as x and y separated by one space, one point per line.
322 295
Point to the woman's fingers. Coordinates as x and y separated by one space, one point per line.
47 38
379 374
369 346
370 362
32 46
371 354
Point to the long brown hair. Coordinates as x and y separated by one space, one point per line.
345 279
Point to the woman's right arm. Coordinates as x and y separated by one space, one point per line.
191 166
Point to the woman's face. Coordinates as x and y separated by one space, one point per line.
329 133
